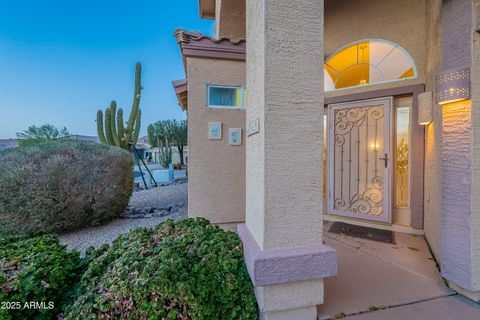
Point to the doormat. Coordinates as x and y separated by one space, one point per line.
351 230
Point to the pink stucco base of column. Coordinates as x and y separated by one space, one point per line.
289 265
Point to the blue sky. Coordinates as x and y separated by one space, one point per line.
60 61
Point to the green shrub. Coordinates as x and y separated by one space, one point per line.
36 270
59 186
179 270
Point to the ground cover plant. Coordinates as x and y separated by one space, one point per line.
37 277
188 269
62 185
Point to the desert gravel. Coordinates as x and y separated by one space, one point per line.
96 236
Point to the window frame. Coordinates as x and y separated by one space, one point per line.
226 86
394 44
397 106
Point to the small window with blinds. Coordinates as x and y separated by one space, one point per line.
226 97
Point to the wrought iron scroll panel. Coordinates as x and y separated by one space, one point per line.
359 184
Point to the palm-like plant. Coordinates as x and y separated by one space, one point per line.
159 135
43 133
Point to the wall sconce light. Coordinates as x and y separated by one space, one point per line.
425 108
453 86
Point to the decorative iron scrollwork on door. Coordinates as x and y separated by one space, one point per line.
358 172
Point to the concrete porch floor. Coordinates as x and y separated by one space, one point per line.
400 277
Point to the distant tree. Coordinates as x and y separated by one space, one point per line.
40 134
167 133
160 136
179 133
158 133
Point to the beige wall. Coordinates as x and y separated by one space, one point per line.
433 132
216 188
347 21
230 19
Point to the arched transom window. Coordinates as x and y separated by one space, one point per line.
368 62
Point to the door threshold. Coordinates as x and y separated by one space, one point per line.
363 223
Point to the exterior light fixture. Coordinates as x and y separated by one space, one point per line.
453 86
425 104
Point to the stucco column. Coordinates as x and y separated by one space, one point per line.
460 230
475 88
284 253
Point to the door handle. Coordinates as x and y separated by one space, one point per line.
385 158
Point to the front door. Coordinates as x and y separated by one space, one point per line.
359 159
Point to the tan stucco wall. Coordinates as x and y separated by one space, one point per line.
284 160
433 132
216 187
230 19
402 22
255 206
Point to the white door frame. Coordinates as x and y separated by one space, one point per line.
386 217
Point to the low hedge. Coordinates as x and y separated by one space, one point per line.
63 185
189 269
37 277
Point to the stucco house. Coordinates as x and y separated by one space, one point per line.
360 111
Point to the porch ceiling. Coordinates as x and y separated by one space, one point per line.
207 9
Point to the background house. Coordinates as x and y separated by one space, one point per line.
78 137
152 154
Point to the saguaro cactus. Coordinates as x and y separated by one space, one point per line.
112 130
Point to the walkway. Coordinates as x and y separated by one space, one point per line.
446 308
401 278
